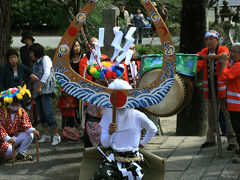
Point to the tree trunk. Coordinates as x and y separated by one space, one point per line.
192 121
4 26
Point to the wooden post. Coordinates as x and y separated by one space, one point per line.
114 106
215 108
13 155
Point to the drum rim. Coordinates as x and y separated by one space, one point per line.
179 107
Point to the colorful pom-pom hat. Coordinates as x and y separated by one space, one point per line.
15 94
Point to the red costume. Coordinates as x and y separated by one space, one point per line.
67 104
7 128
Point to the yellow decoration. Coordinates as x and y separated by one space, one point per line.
28 92
8 100
22 92
19 96
5 111
20 112
93 70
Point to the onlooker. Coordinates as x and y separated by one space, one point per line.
236 17
15 127
212 39
43 91
231 74
13 73
28 40
138 21
124 19
164 12
75 56
67 104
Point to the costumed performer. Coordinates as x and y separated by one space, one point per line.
15 127
123 140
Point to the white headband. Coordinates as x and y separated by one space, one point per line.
212 33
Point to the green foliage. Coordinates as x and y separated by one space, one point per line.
35 13
154 49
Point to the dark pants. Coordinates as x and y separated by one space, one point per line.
235 119
138 35
222 123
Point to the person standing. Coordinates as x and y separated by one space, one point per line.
75 56
13 73
164 12
43 90
231 74
28 40
212 39
138 21
123 19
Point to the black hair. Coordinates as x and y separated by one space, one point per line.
11 51
37 49
72 53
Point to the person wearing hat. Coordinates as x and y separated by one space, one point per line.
231 74
213 48
15 127
123 140
28 40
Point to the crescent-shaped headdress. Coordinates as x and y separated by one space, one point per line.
93 93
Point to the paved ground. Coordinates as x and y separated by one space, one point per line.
183 157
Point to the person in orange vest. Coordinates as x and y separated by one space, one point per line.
231 74
212 48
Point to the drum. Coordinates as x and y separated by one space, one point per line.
186 63
177 98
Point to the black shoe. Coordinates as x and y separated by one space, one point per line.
207 145
23 157
231 147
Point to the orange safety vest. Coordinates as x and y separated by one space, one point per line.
221 91
232 76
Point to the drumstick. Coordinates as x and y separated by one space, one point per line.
114 106
37 149
13 155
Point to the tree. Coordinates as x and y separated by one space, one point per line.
192 120
4 24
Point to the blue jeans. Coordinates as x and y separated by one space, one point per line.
44 109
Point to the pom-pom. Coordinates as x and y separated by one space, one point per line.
96 75
104 70
108 75
97 66
119 73
114 75
88 67
109 69
8 100
93 70
113 68
19 96
101 75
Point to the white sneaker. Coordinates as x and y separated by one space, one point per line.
56 140
45 138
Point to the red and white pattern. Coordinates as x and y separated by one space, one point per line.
9 128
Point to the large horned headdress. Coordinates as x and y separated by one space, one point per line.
93 93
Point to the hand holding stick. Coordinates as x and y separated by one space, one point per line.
13 154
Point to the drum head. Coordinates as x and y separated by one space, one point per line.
173 101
